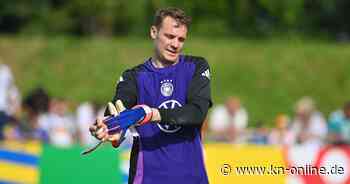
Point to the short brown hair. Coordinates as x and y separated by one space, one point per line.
175 13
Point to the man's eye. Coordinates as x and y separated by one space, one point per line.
170 36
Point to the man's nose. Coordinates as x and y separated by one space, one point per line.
175 44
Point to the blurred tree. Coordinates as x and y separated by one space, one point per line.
208 17
250 17
94 16
328 16
14 14
221 17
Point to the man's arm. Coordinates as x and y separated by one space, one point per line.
198 100
192 113
126 90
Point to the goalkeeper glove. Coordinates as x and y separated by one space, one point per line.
118 137
138 115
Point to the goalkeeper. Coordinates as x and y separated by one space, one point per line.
163 102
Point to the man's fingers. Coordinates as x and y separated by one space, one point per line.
99 121
99 126
92 128
120 106
115 136
100 130
102 136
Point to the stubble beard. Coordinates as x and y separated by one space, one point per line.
162 59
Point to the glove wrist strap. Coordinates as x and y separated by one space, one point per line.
148 115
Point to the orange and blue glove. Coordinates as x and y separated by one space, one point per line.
138 115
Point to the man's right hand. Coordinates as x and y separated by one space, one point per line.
99 129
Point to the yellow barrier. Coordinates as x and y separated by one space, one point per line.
17 173
19 162
222 162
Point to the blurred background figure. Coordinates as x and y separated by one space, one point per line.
10 99
259 135
59 124
85 115
308 125
34 105
228 122
339 126
281 134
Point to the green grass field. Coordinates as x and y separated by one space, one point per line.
269 75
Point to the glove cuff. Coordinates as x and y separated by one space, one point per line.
148 115
116 143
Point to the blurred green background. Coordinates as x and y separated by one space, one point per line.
268 75
268 52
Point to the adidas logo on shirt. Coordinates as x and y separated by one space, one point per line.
206 73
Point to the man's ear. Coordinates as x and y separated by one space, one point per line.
153 32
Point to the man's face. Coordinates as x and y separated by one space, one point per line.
303 115
233 105
169 39
282 122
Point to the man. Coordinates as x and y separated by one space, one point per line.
309 125
175 92
228 122
9 97
282 134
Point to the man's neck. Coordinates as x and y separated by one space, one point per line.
158 63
